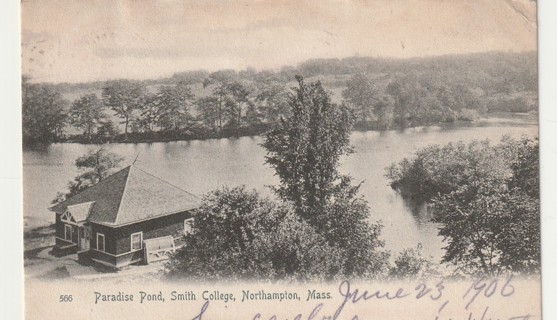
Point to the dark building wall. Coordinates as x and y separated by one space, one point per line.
116 261
154 228
118 240
59 227
109 237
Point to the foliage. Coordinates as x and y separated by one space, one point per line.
106 131
124 98
490 233
305 150
410 263
272 99
360 95
382 94
93 167
237 234
86 113
443 169
231 102
43 113
486 199
174 103
211 112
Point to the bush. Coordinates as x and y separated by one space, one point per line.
238 235
468 115
486 199
411 264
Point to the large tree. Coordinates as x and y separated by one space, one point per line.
124 97
43 113
174 104
218 103
305 150
232 97
86 113
239 96
93 167
148 114
271 99
360 94
210 112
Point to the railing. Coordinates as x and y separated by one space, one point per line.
158 248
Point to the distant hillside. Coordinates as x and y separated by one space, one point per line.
493 71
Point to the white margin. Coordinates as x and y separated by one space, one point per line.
11 270
547 49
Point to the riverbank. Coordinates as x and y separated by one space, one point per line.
197 132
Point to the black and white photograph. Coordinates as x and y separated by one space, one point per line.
280 159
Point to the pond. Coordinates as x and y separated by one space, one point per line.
200 166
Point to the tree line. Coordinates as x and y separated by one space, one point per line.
231 107
379 93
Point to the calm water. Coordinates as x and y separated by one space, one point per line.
200 166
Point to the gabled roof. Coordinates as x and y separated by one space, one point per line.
130 195
80 212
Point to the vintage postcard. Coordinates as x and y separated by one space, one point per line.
280 159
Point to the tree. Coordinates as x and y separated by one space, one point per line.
489 232
148 114
221 102
124 97
174 104
43 113
94 166
485 198
106 131
239 94
272 99
411 264
210 112
232 96
384 113
86 114
305 150
360 94
237 234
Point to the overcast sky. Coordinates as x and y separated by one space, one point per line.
77 41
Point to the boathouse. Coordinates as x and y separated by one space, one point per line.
130 217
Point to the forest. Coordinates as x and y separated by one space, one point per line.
380 93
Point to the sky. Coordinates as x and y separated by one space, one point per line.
91 40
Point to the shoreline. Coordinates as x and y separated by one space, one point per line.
527 118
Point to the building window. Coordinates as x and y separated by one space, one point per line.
188 226
68 232
100 242
137 241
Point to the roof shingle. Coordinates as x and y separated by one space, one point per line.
131 195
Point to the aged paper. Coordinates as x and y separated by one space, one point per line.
281 160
